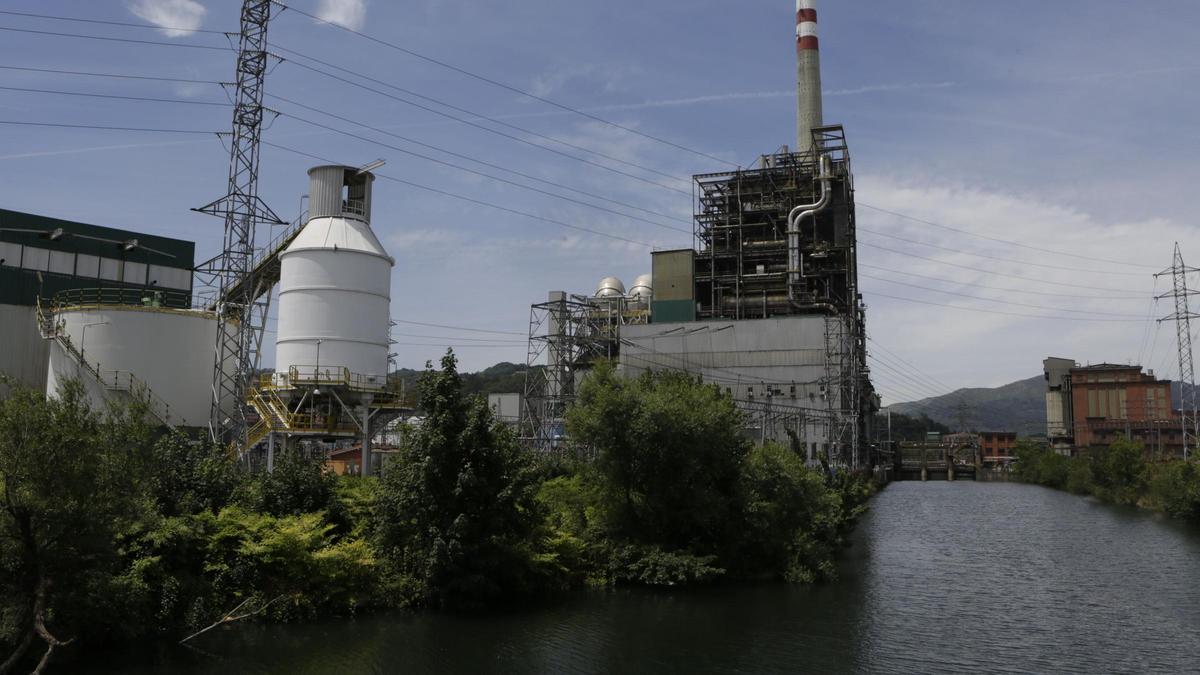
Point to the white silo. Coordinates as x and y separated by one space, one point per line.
335 283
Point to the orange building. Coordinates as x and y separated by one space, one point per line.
997 446
1092 406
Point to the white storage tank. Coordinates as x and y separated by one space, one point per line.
128 348
610 287
642 290
335 282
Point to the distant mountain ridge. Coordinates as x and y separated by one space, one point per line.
1017 406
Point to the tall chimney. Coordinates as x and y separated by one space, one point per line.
808 74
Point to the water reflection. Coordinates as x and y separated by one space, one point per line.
942 578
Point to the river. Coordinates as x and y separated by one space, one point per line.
942 577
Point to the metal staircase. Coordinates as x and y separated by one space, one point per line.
110 380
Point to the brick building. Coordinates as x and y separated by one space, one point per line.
1092 406
996 447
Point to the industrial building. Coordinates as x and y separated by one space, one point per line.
117 312
1091 406
86 272
765 304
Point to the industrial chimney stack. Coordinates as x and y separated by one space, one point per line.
808 74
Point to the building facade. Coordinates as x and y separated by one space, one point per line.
1092 406
49 259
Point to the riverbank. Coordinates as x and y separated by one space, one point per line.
116 532
940 577
1120 474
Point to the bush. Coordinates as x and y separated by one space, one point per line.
457 510
1174 488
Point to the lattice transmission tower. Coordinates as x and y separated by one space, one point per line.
1182 316
242 316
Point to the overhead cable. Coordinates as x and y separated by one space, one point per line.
508 87
1003 241
992 257
977 270
471 123
472 200
995 311
1002 302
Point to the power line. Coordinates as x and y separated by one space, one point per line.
508 87
464 339
363 138
1138 298
118 97
901 359
463 328
917 382
456 346
479 173
476 125
105 127
992 257
996 311
128 24
472 200
115 75
1003 302
988 272
1002 241
84 36
479 161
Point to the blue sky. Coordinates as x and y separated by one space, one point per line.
1066 126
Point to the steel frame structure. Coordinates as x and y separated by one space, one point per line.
1182 316
242 312
741 221
567 334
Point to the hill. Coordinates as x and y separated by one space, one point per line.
1018 406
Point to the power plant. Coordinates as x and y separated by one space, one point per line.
764 305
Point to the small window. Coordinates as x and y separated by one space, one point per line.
62 262
110 269
10 254
36 259
87 266
135 273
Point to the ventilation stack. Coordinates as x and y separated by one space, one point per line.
808 74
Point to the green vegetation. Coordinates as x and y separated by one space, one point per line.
1119 473
111 530
907 427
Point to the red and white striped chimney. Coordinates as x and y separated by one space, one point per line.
808 74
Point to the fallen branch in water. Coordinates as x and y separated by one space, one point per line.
232 616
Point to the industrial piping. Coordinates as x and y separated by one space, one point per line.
808 74
793 230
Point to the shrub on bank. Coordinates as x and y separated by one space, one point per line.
1119 473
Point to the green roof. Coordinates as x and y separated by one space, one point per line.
33 233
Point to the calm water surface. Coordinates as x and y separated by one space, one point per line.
942 578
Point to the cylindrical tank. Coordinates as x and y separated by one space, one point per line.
642 290
335 282
168 350
610 287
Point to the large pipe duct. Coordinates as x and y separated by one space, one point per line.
798 214
808 74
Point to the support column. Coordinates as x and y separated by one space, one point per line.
366 437
270 451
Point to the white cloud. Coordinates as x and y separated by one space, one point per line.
349 13
176 18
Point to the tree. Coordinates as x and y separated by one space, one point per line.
668 452
67 484
457 512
